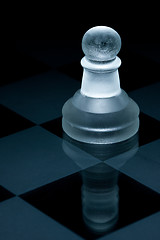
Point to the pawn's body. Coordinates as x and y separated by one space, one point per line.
100 112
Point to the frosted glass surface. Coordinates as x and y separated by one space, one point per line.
100 85
101 43
100 127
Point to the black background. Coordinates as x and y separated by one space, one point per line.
68 21
63 24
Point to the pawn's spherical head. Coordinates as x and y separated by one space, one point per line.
101 43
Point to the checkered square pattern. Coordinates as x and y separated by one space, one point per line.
52 187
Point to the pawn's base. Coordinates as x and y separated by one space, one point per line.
100 127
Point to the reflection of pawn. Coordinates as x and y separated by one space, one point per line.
100 112
99 192
100 198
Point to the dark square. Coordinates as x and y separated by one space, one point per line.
54 126
5 194
68 202
137 71
73 70
149 128
25 66
11 122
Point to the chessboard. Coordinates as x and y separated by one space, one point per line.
53 188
